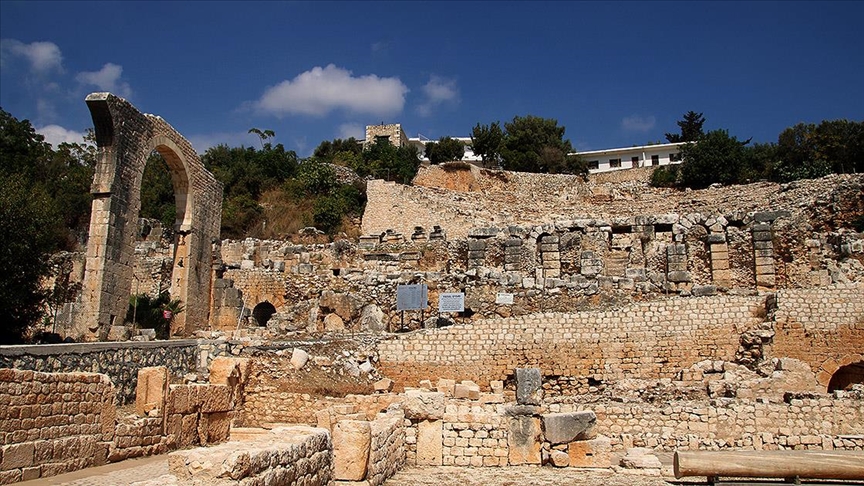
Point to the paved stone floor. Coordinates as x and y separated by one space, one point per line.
147 471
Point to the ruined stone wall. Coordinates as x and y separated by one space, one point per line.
816 423
648 340
822 327
120 361
387 448
266 405
52 423
500 198
284 455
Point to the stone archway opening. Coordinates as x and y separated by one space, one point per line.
263 312
847 375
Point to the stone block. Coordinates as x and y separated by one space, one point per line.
464 390
420 405
715 238
150 390
640 458
476 245
703 290
181 399
17 456
591 453
299 358
383 385
562 428
524 440
529 384
446 386
227 371
218 427
429 443
497 386
333 323
119 333
352 440
214 398
679 276
559 458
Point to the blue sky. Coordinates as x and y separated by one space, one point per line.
614 74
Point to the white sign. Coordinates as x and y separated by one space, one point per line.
504 298
454 302
412 297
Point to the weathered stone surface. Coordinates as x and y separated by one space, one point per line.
150 393
383 385
372 319
561 428
299 358
420 405
591 453
524 440
640 458
528 386
559 458
351 442
333 323
429 443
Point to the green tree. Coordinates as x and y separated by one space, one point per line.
334 151
27 230
446 149
383 160
716 157
157 192
691 128
487 141
534 144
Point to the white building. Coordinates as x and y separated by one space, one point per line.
630 157
598 160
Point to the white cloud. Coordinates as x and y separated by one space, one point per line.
380 46
356 130
636 123
43 57
55 135
319 91
106 79
436 92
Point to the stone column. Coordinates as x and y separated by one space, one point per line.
763 253
513 254
719 249
550 256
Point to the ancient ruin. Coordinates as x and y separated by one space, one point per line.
125 138
607 325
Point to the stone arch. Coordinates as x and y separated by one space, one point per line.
847 375
125 137
263 312
829 369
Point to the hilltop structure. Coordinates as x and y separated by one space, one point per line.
598 160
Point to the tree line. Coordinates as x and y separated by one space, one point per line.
803 151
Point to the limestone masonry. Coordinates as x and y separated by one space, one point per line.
606 324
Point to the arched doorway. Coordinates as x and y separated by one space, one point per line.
263 312
846 375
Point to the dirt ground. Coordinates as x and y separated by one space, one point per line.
519 476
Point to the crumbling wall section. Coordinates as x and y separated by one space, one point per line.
120 361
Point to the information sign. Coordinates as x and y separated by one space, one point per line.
504 298
412 297
453 302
